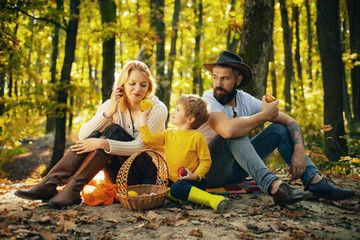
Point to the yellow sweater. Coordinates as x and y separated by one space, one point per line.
183 148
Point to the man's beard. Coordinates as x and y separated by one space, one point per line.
226 96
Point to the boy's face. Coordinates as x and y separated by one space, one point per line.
178 117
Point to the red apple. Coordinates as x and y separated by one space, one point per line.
181 172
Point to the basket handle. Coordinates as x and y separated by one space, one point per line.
162 170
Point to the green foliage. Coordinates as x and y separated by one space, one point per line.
6 155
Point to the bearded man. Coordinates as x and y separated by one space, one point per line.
234 114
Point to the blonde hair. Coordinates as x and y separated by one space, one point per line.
124 76
195 106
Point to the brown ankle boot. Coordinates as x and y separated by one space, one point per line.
59 174
71 192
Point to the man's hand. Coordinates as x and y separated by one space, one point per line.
297 165
271 110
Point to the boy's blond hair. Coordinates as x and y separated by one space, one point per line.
124 76
195 106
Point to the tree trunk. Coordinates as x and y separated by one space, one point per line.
256 43
309 40
157 23
50 114
272 67
108 17
197 80
172 54
353 7
2 94
297 55
233 36
289 71
70 44
328 32
346 98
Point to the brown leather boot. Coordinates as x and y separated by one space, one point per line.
287 195
59 174
71 192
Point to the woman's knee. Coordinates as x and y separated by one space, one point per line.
116 132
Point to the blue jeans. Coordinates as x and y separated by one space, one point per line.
235 159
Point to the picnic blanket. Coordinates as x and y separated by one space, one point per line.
101 192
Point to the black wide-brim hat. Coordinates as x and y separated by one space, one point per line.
234 60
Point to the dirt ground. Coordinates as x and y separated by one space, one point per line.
250 216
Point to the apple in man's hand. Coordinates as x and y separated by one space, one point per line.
270 98
182 172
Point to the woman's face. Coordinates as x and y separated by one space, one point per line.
136 87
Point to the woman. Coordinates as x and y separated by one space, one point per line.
106 150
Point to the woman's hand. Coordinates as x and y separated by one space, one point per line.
89 145
114 100
143 116
190 176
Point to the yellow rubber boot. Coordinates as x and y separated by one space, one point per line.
172 198
216 202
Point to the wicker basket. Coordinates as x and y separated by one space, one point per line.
158 191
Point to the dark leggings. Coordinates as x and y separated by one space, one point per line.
181 188
142 167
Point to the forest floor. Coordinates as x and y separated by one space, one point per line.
250 216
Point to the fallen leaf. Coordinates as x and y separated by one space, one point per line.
245 236
69 226
182 222
45 220
293 215
168 222
130 219
255 211
152 225
48 235
260 225
152 215
329 228
299 234
113 220
326 128
240 227
196 233
323 157
316 149
70 213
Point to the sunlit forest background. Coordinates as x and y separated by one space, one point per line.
59 59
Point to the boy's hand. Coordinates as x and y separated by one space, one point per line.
190 176
143 115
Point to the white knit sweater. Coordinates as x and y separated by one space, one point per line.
156 122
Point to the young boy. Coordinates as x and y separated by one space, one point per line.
185 147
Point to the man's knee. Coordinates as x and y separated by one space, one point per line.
278 128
